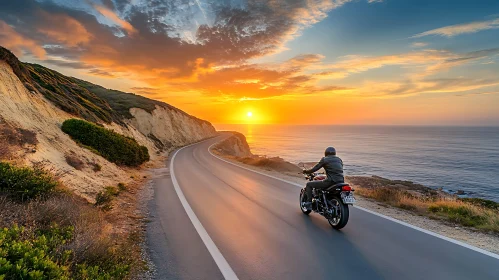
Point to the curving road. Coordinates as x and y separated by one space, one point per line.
215 220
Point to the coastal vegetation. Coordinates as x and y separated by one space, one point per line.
474 213
104 198
112 146
46 232
22 183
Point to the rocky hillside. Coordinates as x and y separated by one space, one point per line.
35 100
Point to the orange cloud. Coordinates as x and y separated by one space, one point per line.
64 29
111 15
17 43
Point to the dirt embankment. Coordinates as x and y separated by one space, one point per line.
25 110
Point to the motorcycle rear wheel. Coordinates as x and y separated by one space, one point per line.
341 220
303 198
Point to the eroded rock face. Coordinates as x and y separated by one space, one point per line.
235 145
170 126
24 110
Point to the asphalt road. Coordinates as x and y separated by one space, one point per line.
249 226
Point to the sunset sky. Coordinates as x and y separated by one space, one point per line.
420 62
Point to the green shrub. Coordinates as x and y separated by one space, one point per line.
122 187
97 167
42 255
461 214
25 183
482 202
112 190
109 144
33 257
104 198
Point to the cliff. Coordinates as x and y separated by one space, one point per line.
236 147
35 100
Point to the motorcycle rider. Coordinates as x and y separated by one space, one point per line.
333 166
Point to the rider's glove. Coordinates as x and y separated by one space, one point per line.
304 171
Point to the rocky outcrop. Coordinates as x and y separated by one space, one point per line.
235 146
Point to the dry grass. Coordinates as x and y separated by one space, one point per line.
94 242
4 151
109 241
447 208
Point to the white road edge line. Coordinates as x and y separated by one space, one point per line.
221 262
457 242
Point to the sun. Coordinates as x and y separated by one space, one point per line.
249 114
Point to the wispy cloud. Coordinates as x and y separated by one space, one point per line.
478 93
419 44
101 73
401 89
458 29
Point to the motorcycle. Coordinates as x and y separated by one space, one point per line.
332 203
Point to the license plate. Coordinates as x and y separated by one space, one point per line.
348 199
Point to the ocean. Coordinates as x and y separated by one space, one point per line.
452 158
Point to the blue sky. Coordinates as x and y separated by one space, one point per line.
386 27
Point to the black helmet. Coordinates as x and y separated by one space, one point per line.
330 151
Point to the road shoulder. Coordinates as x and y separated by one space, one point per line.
174 245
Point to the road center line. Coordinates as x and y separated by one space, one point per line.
221 262
457 242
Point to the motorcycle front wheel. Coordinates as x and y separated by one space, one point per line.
340 220
303 199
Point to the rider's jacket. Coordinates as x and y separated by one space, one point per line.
333 166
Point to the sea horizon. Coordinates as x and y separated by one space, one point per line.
454 158
381 125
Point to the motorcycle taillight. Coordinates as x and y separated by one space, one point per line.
346 188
